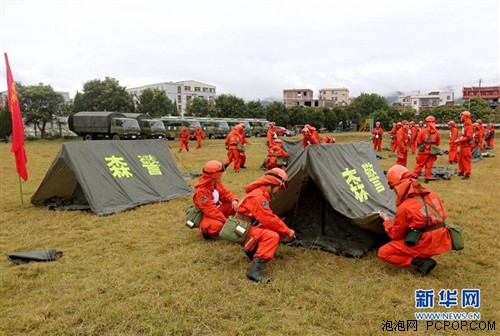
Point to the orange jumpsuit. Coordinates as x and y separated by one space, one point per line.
453 152
271 135
481 136
265 237
392 134
465 142
490 137
413 138
273 154
215 202
199 135
232 141
377 138
243 155
402 140
326 139
411 213
426 138
184 139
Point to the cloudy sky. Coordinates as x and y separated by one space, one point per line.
255 49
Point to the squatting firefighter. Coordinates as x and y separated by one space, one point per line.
271 134
490 136
465 141
214 199
418 209
377 133
327 139
427 138
276 154
310 135
267 228
453 151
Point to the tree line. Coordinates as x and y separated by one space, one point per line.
41 105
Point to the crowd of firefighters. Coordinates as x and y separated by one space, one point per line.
423 138
266 229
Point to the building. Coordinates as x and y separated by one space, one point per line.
300 97
327 97
337 97
488 93
181 92
422 102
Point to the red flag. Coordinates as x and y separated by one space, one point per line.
17 125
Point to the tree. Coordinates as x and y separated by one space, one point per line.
40 104
255 109
298 115
155 103
366 104
479 109
104 95
201 107
331 118
278 113
5 123
229 106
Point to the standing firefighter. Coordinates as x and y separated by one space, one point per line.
465 142
453 151
417 209
490 136
377 133
199 135
403 140
267 228
427 138
213 199
233 144
184 139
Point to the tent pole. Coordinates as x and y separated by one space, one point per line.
21 191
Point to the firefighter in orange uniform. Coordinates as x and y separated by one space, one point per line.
403 141
490 136
480 134
413 133
199 135
426 138
327 139
271 134
417 208
465 141
211 197
392 135
243 141
233 141
377 133
453 151
310 135
274 154
184 138
264 234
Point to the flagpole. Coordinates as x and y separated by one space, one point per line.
21 191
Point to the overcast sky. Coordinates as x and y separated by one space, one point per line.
255 49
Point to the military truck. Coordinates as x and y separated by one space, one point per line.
104 125
150 128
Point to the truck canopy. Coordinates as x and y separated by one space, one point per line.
92 119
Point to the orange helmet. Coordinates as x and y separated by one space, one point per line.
479 121
395 174
238 127
430 119
280 175
405 122
214 169
465 114
242 125
451 122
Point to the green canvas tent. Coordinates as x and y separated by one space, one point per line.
110 176
334 194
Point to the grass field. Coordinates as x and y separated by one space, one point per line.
142 272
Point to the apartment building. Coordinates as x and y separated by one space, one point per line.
488 93
421 102
300 97
181 92
337 96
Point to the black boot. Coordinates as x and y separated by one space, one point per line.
250 254
424 266
256 272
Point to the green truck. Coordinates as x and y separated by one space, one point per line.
150 128
104 125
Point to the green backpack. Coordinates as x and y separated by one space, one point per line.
193 216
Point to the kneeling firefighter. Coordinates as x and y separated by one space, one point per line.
267 228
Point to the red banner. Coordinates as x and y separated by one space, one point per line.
17 125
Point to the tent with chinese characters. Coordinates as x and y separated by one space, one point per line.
109 176
333 198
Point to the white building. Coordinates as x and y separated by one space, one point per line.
181 92
421 102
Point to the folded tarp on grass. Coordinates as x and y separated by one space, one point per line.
25 257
